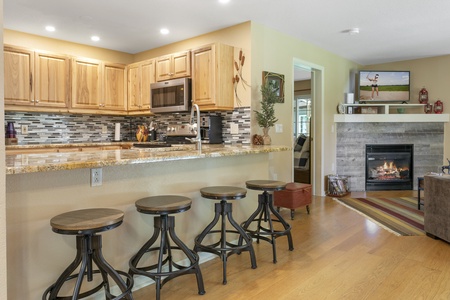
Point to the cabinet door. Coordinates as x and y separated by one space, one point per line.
86 83
140 76
164 68
147 78
52 80
203 76
18 68
114 96
181 64
134 92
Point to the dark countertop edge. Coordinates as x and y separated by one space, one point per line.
179 155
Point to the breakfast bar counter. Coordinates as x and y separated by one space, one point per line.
40 186
94 158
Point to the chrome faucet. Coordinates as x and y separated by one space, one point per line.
197 140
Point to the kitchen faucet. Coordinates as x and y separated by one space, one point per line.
197 140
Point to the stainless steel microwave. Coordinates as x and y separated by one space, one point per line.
171 96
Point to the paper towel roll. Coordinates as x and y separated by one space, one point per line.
117 132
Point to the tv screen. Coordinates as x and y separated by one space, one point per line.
384 86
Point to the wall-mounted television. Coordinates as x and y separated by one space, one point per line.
384 86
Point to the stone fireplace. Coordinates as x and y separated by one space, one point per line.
426 138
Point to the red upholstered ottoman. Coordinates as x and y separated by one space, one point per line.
294 196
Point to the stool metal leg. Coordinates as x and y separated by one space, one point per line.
263 214
164 226
89 252
223 210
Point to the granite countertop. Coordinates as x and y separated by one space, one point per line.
54 161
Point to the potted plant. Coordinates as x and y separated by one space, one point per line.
266 117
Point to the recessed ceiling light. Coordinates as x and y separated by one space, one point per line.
50 28
224 1
164 31
351 31
95 38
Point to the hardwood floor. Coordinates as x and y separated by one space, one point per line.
338 255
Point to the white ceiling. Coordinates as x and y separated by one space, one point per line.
390 30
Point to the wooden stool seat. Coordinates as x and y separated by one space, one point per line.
164 204
265 215
223 210
223 192
163 268
85 224
294 196
265 185
92 219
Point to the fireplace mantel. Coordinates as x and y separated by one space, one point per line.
384 118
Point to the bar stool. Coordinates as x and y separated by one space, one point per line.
85 224
262 215
164 225
222 247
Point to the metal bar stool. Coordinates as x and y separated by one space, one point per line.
223 211
85 224
262 216
165 226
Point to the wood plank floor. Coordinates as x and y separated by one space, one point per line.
338 255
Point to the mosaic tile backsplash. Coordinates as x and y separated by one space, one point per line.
71 128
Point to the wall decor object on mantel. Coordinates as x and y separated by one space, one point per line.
277 82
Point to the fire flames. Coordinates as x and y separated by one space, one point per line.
389 171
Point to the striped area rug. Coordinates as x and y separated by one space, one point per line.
399 215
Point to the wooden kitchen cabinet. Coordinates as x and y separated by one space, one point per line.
98 85
212 77
86 83
140 76
35 78
177 65
114 87
52 80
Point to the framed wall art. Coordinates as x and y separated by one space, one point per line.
277 82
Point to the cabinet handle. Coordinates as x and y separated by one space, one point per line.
31 82
37 101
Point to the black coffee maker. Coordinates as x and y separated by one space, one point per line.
211 129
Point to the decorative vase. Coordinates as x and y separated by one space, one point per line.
266 137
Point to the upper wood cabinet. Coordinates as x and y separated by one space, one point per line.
212 77
98 85
140 76
114 87
34 78
52 80
172 66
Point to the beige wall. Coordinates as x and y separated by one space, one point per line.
36 42
3 261
432 73
277 52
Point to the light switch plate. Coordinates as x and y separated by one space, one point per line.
278 128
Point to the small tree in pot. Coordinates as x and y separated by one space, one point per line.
266 117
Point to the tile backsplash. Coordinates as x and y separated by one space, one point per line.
49 128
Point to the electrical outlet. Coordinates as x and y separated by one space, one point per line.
24 129
234 128
96 177
104 129
278 128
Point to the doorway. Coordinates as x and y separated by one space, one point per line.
302 106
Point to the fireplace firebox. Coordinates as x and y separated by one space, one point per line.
389 167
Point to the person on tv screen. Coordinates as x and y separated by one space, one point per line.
374 81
